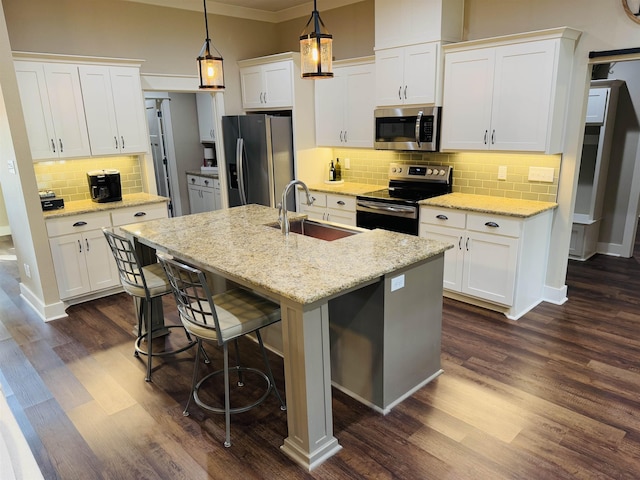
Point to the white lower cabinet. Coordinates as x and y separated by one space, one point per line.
137 214
82 258
330 207
204 193
496 259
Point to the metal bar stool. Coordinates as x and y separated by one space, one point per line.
221 319
144 283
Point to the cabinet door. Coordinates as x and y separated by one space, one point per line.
490 267
196 202
36 110
208 199
217 194
130 109
204 105
252 87
359 84
389 76
522 96
67 109
101 266
100 110
70 265
420 70
466 111
330 105
402 22
278 84
453 258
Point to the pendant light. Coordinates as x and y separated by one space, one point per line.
316 48
210 67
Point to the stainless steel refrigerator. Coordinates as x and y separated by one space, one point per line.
258 151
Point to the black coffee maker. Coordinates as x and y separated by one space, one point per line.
104 185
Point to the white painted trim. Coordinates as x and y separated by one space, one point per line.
76 59
5 230
612 249
557 296
160 82
46 312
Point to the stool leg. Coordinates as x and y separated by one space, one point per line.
240 375
283 406
194 380
148 317
227 401
138 306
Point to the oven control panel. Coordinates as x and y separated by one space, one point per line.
417 173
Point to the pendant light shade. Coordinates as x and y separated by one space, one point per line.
316 48
210 66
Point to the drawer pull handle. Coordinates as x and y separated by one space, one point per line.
467 244
341 203
79 246
115 140
492 224
459 243
79 224
139 214
442 217
86 240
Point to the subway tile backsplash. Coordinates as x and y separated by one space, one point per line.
475 173
68 178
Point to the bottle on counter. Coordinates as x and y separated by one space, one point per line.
338 170
332 172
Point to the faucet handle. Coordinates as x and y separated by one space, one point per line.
310 200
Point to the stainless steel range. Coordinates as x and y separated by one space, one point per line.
396 207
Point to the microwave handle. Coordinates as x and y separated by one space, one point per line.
418 123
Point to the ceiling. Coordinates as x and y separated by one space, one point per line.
265 10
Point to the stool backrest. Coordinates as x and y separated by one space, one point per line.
126 258
192 294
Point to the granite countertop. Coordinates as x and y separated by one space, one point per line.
347 188
238 243
89 206
200 173
511 207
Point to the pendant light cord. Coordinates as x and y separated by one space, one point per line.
206 21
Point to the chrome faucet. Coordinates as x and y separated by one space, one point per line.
282 207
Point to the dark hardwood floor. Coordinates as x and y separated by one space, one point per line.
555 395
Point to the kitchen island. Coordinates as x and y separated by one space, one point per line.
398 275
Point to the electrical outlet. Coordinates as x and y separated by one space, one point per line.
502 172
347 163
541 174
27 270
397 283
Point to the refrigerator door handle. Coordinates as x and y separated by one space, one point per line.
240 165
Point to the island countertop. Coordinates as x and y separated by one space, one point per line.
239 243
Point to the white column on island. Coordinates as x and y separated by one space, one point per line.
307 372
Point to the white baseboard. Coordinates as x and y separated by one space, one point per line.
557 296
5 230
612 249
47 312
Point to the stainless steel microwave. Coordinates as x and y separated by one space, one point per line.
410 128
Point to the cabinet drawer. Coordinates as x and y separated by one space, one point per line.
442 216
142 213
200 181
320 198
494 224
77 223
341 202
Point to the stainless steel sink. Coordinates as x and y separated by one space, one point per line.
322 230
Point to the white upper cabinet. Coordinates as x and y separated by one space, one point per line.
206 124
507 93
53 110
407 22
268 85
407 75
115 110
344 107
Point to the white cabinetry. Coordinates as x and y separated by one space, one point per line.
407 75
268 85
405 22
507 93
206 123
115 110
204 193
137 214
330 207
496 260
53 110
594 165
81 256
345 105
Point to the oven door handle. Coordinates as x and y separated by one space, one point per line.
388 209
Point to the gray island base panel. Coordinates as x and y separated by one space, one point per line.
385 273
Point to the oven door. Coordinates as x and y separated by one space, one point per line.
388 216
